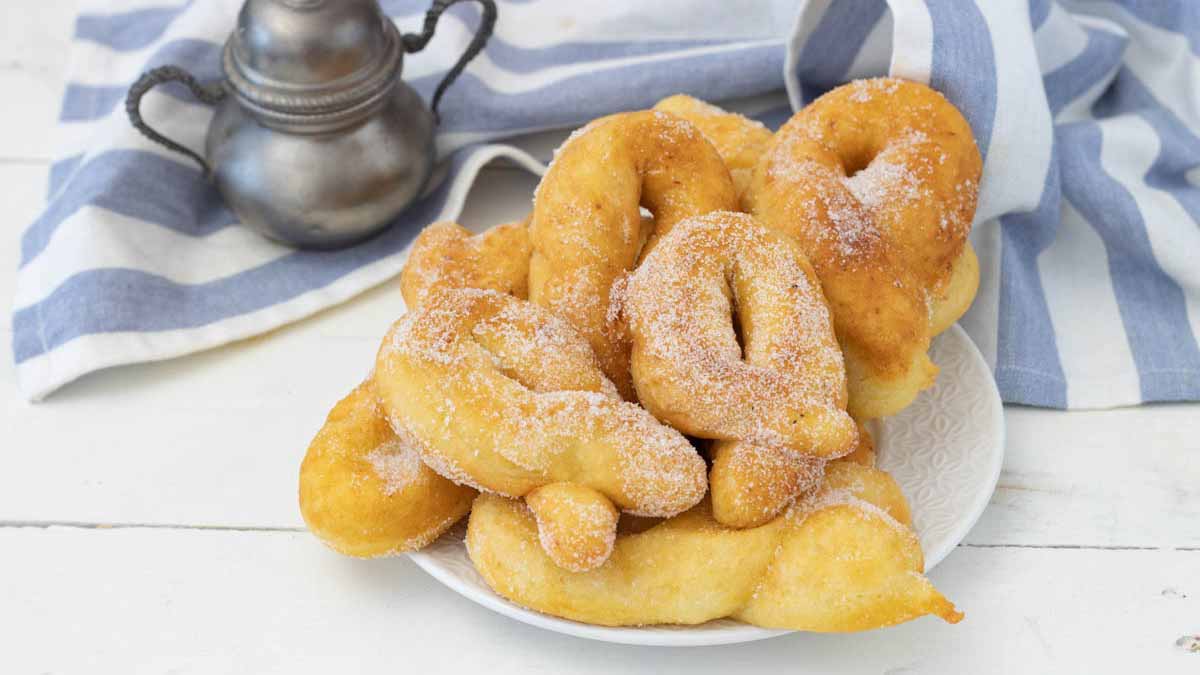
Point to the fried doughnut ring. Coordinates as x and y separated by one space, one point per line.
739 140
446 255
366 493
363 490
834 562
505 396
776 402
587 229
878 180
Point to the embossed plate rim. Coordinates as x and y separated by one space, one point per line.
447 561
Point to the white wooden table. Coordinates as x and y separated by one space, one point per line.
148 519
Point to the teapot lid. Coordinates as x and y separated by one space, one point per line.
291 58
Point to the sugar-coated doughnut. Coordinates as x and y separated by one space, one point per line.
739 140
365 492
835 561
507 397
587 229
878 180
446 255
768 385
947 297
732 338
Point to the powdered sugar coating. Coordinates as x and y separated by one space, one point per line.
503 395
850 234
396 464
862 91
878 181
576 526
688 364
587 227
751 484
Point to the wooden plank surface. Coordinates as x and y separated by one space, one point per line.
165 601
33 59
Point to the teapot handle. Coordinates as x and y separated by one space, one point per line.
415 42
210 94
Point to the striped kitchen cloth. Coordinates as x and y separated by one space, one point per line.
1088 230
1086 112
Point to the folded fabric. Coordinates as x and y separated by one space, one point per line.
1088 115
136 259
1086 112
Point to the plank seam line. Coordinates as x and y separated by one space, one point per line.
25 161
1085 547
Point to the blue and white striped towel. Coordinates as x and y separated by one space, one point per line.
1087 223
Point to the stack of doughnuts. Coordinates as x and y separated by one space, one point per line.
661 420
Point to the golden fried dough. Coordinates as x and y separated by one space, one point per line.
956 298
776 401
751 484
587 229
846 567
739 140
878 181
863 451
365 492
776 377
577 525
505 396
742 141
869 484
832 562
446 255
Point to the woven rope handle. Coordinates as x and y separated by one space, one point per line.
415 42
133 105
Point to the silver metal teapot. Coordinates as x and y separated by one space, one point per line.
316 142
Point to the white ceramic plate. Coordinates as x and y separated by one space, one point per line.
945 450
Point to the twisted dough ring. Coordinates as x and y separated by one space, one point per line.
878 180
446 255
364 490
587 230
776 402
505 396
871 395
739 140
842 559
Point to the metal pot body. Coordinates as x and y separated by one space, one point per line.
324 188
316 141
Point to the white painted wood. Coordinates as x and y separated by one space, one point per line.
34 35
1127 477
157 601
